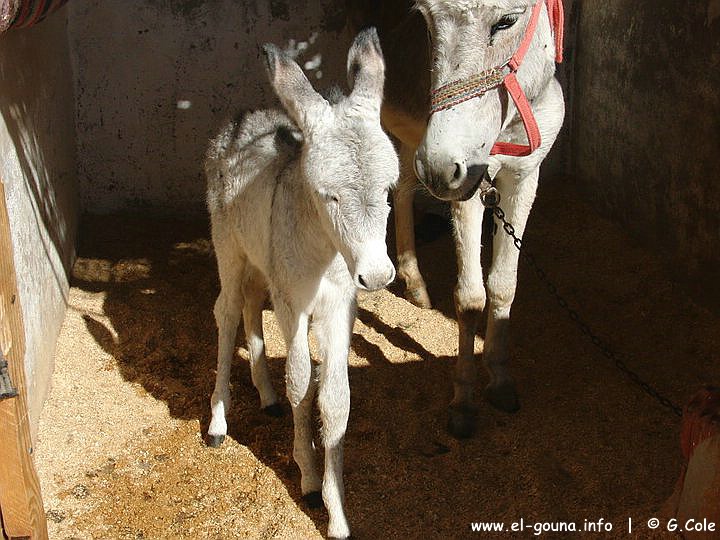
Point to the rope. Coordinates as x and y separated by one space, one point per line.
25 13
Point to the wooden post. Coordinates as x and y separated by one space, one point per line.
21 504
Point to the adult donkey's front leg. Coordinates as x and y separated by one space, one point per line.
516 199
469 304
403 199
470 299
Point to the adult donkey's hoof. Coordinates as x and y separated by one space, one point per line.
213 441
275 410
418 296
313 499
503 397
462 421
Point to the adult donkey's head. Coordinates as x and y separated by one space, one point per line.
472 43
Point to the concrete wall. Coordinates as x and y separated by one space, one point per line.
136 60
155 78
38 169
646 126
558 163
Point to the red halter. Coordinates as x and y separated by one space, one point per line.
456 92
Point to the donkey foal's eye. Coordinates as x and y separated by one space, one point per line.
505 22
327 196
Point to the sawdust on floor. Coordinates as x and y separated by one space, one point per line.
120 451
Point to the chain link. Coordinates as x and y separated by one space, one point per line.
608 352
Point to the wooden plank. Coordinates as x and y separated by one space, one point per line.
21 504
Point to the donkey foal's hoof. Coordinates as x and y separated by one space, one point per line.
275 410
503 397
313 499
462 422
213 441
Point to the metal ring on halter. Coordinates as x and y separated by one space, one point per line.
489 195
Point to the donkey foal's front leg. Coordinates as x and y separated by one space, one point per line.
300 386
333 331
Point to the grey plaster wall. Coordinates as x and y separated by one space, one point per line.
38 170
155 78
558 163
646 126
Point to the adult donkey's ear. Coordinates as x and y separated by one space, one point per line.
304 105
366 70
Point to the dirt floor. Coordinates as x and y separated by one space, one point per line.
120 451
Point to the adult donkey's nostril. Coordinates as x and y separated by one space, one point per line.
459 172
362 281
477 171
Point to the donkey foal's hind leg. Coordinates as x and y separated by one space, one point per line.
228 308
254 293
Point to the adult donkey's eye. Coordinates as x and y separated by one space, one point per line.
505 22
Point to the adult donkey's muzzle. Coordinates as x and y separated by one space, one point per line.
455 151
447 178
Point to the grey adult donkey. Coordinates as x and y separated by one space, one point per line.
470 95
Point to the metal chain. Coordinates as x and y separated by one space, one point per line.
608 352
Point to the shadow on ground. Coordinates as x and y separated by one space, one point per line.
586 444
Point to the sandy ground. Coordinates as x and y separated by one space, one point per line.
120 451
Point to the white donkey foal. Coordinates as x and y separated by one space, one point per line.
302 212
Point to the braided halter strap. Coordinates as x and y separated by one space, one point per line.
457 92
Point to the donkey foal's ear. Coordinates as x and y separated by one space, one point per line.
271 54
297 95
366 69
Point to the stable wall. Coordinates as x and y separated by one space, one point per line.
646 126
155 79
38 170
